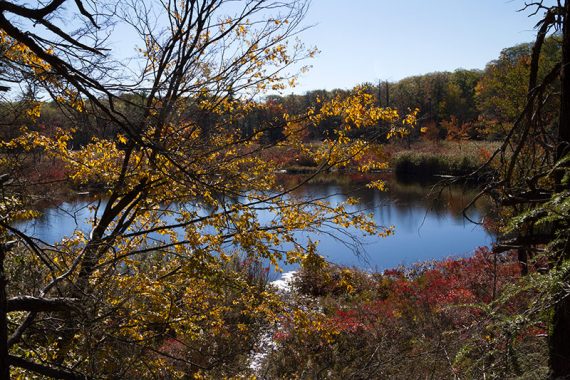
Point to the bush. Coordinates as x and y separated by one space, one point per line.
429 321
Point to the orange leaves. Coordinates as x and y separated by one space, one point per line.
358 110
357 114
71 98
34 111
21 54
407 124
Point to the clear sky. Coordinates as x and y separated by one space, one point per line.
367 40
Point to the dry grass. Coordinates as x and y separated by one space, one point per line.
446 157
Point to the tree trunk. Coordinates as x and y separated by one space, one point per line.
559 341
560 333
4 364
564 118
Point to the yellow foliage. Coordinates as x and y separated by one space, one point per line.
157 275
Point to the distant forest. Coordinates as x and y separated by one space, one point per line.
459 105
464 104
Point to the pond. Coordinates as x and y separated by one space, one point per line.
429 222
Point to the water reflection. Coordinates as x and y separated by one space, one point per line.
429 221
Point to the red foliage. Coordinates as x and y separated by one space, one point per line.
485 153
280 336
349 321
445 287
45 170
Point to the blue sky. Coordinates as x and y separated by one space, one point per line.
367 40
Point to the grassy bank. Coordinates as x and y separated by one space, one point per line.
425 164
423 158
444 158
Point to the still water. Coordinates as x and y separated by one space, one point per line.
429 222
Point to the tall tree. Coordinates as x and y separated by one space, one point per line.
560 335
150 291
533 180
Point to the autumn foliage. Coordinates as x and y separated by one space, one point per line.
432 319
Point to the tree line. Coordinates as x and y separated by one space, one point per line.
463 104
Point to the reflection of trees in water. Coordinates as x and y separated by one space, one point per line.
404 204
402 195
